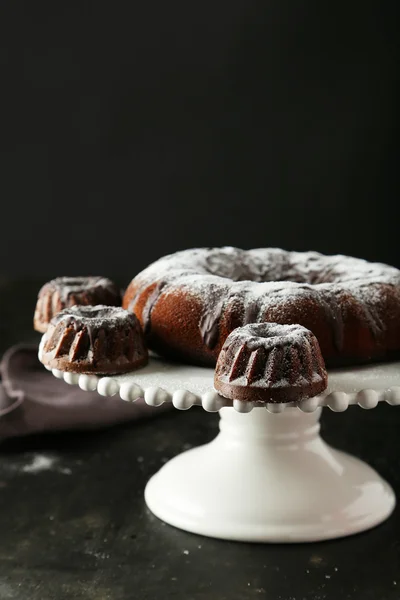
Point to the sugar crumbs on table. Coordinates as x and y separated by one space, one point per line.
39 463
65 471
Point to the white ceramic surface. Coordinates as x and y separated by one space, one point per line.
186 385
269 478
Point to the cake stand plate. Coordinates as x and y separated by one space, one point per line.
268 476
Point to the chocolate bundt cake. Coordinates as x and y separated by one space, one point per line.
267 362
94 339
70 291
189 302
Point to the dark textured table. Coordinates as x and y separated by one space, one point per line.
79 527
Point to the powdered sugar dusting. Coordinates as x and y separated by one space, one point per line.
41 462
68 286
268 264
94 339
94 316
268 335
271 356
266 284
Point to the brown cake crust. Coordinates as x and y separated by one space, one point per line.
99 339
267 362
63 292
190 301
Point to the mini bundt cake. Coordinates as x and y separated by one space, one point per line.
63 292
94 339
189 302
267 362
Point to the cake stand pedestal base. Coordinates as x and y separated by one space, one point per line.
269 478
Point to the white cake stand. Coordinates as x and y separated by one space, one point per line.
268 476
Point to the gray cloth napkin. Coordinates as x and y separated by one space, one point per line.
32 400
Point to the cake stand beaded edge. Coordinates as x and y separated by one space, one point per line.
264 478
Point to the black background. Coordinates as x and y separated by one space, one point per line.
134 129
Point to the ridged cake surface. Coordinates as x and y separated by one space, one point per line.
268 362
190 301
94 339
63 292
